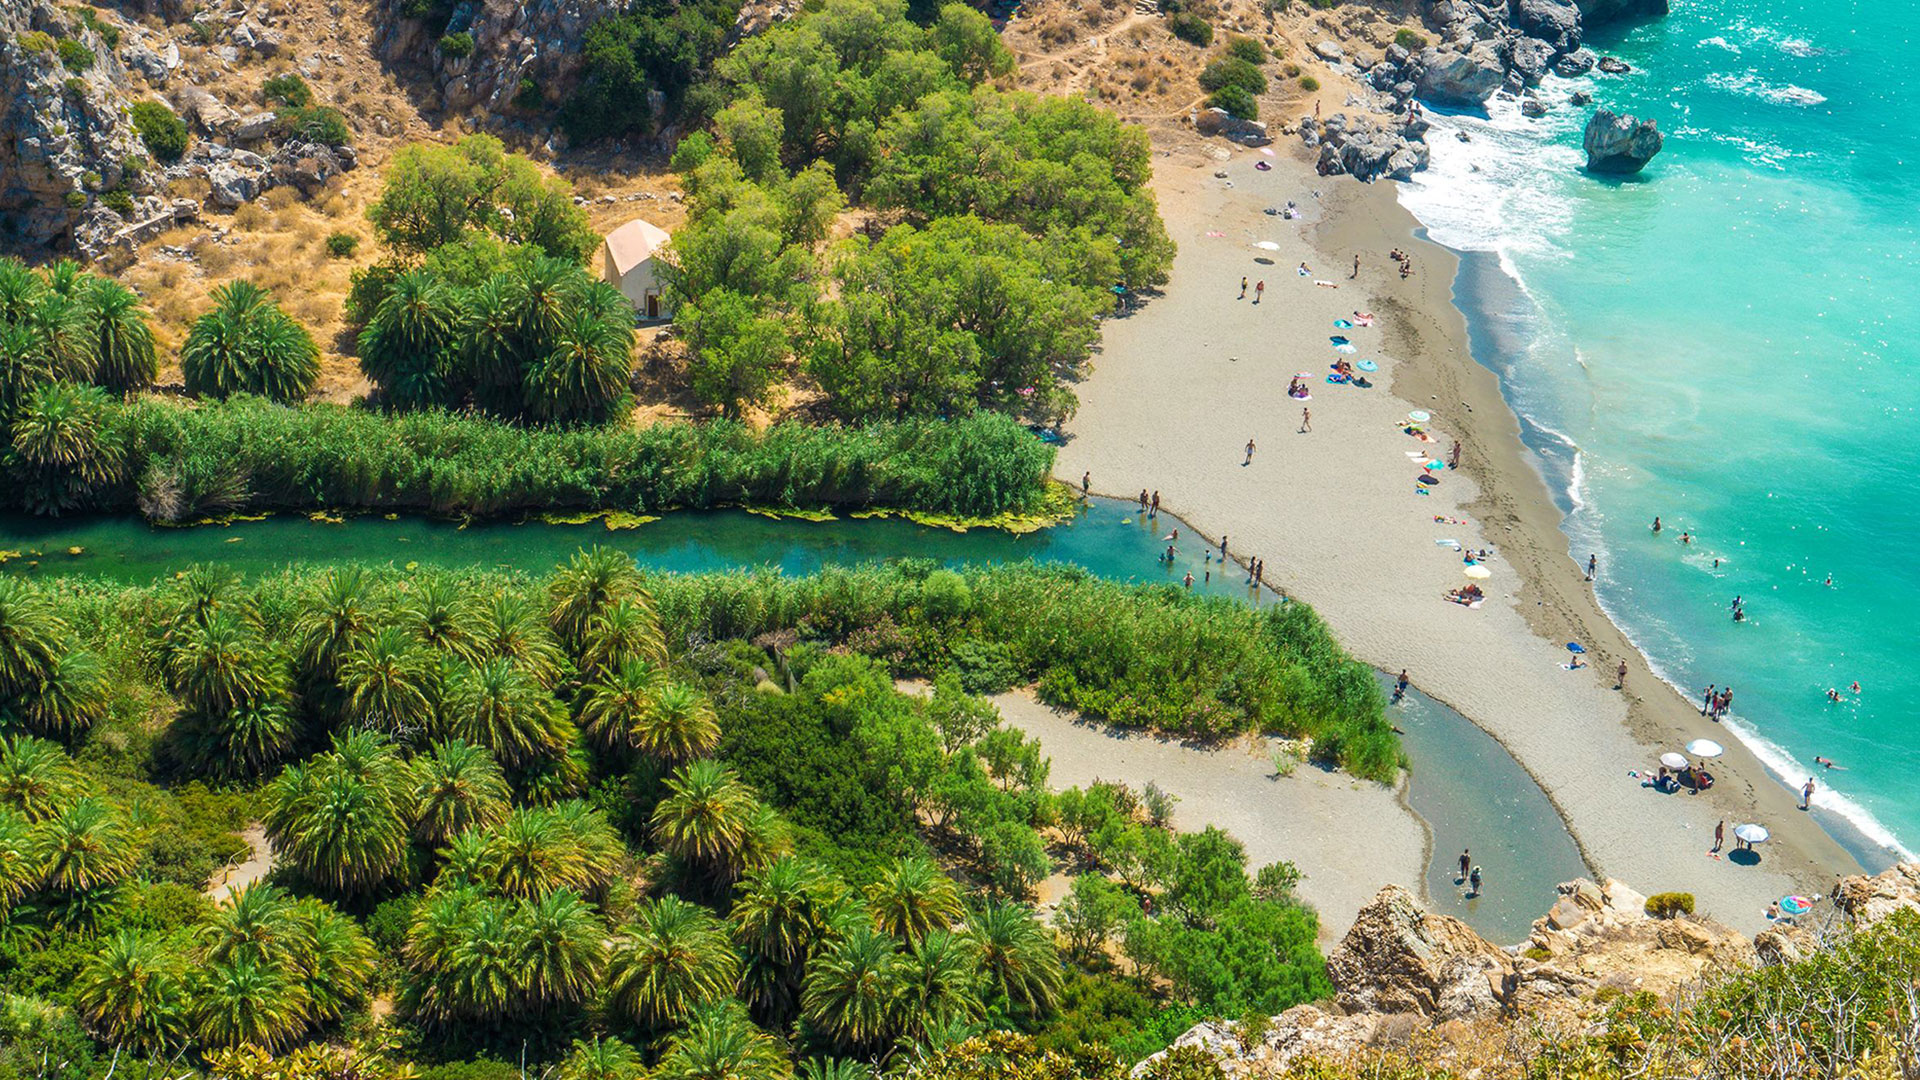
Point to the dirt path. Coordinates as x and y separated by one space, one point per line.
236 877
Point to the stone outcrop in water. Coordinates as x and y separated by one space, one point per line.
1363 149
1620 145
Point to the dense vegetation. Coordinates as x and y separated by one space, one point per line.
247 454
997 222
585 819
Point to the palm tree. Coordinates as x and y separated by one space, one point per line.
853 990
30 637
342 819
540 293
335 960
248 1002
261 924
940 983
532 853
912 898
391 683
562 949
722 1044
406 346
20 866
500 707
435 610
59 326
457 787
221 664
581 591
602 1059
678 726
132 993
615 701
87 845
73 695
489 325
675 958
509 628
441 925
63 457
334 622
37 778
781 913
485 962
623 632
1017 955
583 376
704 818
123 356
246 344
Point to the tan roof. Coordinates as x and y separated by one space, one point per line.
634 243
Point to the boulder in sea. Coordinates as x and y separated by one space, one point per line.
1533 107
1613 65
1620 145
1576 63
1451 76
1580 97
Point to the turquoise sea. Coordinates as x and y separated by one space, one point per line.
1728 341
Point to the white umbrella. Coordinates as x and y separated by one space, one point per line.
1478 572
1267 245
1705 748
1752 834
1419 416
1672 760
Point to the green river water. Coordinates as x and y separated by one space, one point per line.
1469 790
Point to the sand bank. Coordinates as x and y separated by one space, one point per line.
1181 386
1318 819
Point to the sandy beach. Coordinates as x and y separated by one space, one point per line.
1181 385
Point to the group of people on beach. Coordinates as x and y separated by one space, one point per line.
1150 509
1403 260
1715 701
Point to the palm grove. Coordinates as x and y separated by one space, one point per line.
682 822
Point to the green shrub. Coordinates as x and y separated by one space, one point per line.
290 90
133 165
1245 48
76 200
1233 71
119 201
316 123
76 85
1668 904
1535 952
204 33
1323 5
1309 83
1190 28
1237 101
342 245
75 55
36 41
164 133
109 33
1291 70
529 97
1410 40
90 180
457 46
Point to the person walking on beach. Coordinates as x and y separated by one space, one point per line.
1620 678
1453 456
1243 286
1356 268
1719 835
1466 860
1249 460
1593 563
1086 481
1259 287
1306 419
1806 795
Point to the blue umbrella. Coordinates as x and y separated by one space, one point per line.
1575 647
1367 365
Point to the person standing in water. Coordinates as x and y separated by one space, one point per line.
1155 511
1400 685
1706 700
1143 500
1466 860
1656 524
1086 481
1593 563
1223 547
1189 581
1473 882
1806 795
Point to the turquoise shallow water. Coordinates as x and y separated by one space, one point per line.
1728 341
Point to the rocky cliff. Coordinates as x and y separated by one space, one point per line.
514 44
1402 971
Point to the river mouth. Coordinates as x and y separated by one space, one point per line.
1463 783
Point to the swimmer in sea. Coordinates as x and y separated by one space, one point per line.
1827 763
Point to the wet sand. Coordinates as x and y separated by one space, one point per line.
1182 384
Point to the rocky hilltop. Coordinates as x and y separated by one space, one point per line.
1401 970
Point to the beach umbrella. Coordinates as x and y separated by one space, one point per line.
1419 416
1367 365
1337 339
1752 834
1346 347
1267 245
1478 572
1262 166
1672 760
1575 647
1705 748
1797 905
1303 374
1436 464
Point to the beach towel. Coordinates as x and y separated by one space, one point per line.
1262 166
1343 324
1326 284
1211 232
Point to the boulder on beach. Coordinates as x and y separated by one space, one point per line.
1620 145
1450 76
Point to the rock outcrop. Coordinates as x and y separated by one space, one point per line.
1867 900
1361 148
537 41
1461 76
1398 958
1620 145
65 139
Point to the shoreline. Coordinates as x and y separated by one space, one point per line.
1362 552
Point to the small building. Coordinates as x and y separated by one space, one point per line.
629 261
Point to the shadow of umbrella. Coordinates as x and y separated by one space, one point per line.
1744 857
